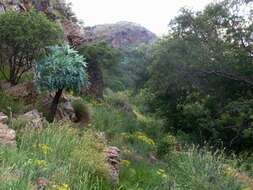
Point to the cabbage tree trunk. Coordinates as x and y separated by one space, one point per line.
54 105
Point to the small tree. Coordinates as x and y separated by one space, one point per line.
62 69
23 38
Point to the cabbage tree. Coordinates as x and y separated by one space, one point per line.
63 68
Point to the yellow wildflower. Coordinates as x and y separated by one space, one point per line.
41 163
62 187
229 171
44 148
161 173
144 138
125 163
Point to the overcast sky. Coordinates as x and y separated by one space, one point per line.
152 14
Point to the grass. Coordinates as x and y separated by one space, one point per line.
73 158
55 154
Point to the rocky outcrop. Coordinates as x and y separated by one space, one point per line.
120 34
113 159
74 33
7 136
34 119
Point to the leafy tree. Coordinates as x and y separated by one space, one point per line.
62 69
207 53
23 38
101 60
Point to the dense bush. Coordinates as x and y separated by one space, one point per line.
23 39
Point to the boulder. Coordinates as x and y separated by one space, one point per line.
65 110
34 119
113 159
3 118
42 183
7 136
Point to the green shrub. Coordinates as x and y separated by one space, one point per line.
119 101
29 33
166 145
81 110
9 104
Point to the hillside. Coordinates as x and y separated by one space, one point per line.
113 107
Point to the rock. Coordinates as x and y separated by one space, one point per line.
113 159
65 110
152 158
7 136
42 183
34 119
73 33
2 8
3 118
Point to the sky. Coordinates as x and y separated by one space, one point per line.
155 15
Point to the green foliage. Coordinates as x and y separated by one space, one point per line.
28 33
9 104
81 110
133 68
54 153
166 145
102 61
200 170
90 157
62 68
201 70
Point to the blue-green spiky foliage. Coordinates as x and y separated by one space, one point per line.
63 68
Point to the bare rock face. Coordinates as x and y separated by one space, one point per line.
74 33
113 159
7 136
120 34
34 119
